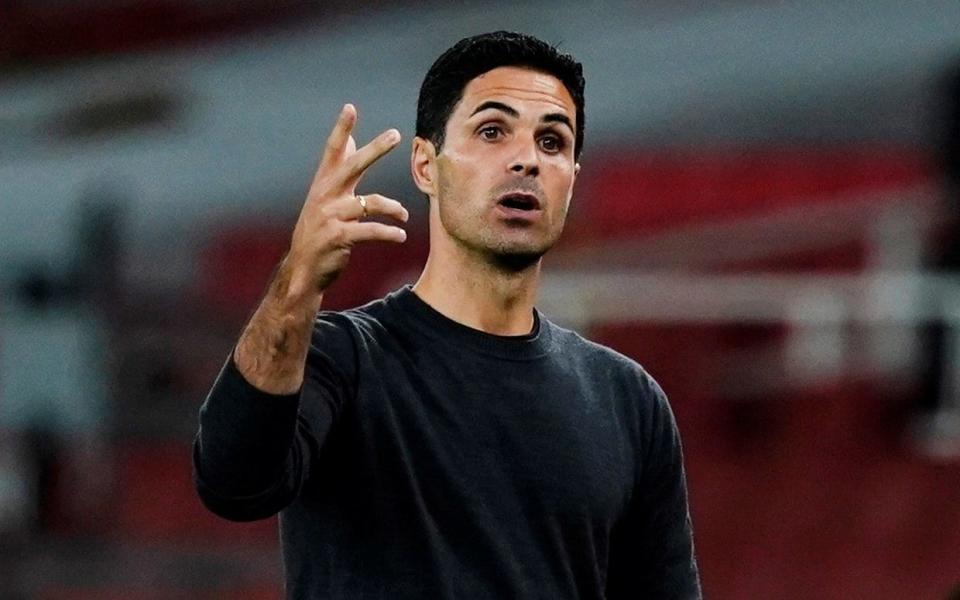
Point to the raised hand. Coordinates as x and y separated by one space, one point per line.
331 220
273 347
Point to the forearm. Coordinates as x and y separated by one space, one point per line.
246 459
245 448
272 350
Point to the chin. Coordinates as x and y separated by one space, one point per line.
518 256
508 252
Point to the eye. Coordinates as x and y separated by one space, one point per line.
490 132
551 143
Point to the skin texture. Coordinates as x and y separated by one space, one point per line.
513 130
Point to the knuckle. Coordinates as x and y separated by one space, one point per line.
327 212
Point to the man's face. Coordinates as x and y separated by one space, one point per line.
506 170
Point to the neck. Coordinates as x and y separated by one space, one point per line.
475 292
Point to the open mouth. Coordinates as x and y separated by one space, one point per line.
520 201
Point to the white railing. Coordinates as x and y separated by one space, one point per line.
819 309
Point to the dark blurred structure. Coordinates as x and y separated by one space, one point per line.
751 224
41 32
55 425
940 398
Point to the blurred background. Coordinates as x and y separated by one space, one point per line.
767 219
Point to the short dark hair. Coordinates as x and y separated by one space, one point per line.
471 57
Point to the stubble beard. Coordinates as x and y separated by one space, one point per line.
477 236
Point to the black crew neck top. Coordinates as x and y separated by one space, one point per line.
426 459
436 326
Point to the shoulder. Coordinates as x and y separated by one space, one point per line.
596 360
340 336
642 404
353 321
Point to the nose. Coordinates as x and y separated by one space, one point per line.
526 159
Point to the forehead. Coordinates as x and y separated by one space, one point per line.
519 84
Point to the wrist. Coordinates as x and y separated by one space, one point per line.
294 286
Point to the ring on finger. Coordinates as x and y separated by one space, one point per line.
363 205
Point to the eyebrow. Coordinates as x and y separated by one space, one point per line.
496 106
548 118
558 118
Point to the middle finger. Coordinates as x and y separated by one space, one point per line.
361 160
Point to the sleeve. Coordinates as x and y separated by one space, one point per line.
652 553
253 450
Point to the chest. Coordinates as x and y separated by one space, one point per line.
493 435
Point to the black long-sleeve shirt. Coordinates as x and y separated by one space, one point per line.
426 459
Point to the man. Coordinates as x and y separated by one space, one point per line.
448 441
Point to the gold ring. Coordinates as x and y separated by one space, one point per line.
363 205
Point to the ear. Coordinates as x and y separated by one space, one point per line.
423 165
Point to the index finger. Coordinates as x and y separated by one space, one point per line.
337 141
